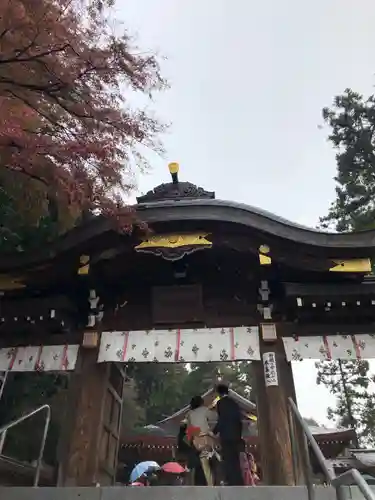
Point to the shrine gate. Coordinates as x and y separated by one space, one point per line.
211 280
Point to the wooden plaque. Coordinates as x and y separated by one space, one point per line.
177 304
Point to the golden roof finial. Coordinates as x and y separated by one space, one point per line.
174 167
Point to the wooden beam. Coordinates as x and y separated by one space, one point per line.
329 290
291 329
40 338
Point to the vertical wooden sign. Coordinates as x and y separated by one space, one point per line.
270 369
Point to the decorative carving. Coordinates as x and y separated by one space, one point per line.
174 246
176 191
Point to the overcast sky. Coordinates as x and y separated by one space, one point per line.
248 82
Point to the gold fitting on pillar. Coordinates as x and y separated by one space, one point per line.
264 258
84 265
90 340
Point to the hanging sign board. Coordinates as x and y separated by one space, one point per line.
270 369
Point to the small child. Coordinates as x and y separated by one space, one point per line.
248 467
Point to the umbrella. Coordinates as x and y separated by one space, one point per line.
142 468
173 468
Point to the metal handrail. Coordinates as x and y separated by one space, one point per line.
17 421
347 478
3 383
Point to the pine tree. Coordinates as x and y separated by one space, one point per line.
351 121
367 420
349 382
352 133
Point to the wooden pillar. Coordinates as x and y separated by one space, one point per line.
273 376
270 376
90 440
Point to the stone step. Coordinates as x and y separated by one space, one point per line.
171 493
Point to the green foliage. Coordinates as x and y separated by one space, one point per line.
15 235
333 374
367 420
159 388
28 218
352 124
25 392
133 414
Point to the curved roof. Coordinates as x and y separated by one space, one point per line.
252 218
181 201
206 210
161 432
176 204
208 397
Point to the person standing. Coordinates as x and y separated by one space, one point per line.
190 456
199 425
229 428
